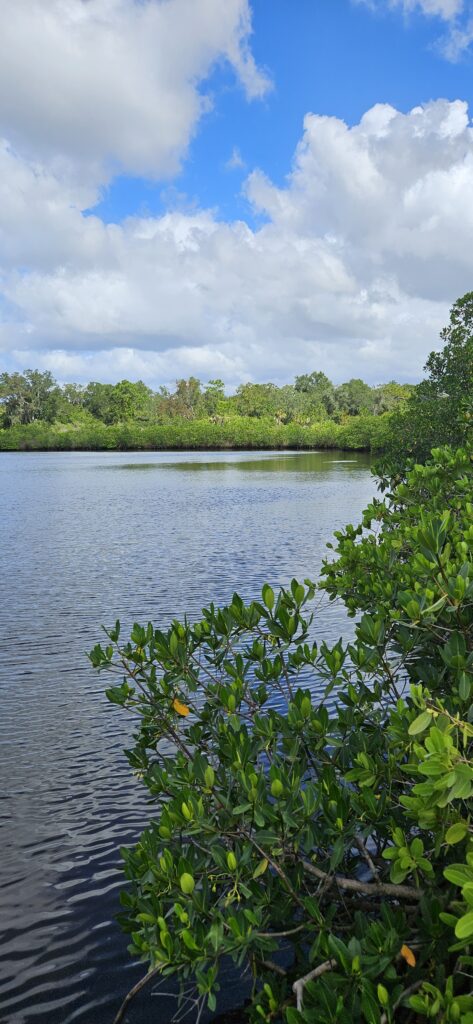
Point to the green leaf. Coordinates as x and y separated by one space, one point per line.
189 940
261 868
340 951
456 833
420 723
293 1016
370 1006
268 596
464 926
458 874
464 686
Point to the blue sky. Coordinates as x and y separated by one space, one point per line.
332 57
249 189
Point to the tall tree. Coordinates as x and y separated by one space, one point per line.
29 396
354 397
440 409
318 389
256 400
187 398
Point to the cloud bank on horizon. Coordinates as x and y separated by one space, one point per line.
349 265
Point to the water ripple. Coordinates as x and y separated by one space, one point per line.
86 540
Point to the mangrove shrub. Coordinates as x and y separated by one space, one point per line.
311 803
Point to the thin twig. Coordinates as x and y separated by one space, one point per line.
275 865
274 967
281 935
367 857
299 985
134 992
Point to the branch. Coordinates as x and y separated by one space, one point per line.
281 935
407 992
134 992
299 985
271 966
401 892
275 865
367 857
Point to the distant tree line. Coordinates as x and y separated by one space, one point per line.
35 396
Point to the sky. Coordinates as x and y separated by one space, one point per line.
241 189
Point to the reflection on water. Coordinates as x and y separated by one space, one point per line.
81 546
245 462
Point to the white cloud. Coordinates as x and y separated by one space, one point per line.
115 83
235 162
353 270
446 9
355 264
458 15
457 41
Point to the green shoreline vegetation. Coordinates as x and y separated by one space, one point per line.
37 414
360 433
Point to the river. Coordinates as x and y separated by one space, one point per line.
87 538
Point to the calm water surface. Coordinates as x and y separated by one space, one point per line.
87 538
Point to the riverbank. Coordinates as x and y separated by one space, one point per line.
357 433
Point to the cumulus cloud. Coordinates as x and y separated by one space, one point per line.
353 269
114 84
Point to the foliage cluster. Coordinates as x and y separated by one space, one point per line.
311 803
33 396
356 433
440 409
27 397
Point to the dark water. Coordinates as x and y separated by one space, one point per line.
87 538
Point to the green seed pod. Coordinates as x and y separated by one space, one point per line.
187 883
277 788
231 704
231 861
209 776
306 707
383 995
186 811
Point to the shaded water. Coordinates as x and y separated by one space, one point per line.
87 538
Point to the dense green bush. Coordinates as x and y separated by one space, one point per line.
440 409
356 433
325 843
